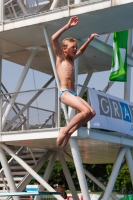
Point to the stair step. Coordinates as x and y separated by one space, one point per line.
29 156
14 178
19 173
3 185
35 151
28 162
18 167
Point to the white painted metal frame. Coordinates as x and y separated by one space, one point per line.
30 170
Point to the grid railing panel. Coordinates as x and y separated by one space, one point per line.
35 112
13 9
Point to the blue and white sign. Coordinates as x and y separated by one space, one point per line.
112 113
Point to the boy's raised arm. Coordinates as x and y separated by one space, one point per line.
83 47
56 46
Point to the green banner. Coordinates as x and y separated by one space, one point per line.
127 197
119 59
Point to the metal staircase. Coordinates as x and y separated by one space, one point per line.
35 158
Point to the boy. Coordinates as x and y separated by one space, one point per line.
65 57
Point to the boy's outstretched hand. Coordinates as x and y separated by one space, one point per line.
73 21
93 35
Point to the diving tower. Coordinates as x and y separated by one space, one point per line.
25 31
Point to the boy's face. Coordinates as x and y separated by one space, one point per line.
71 49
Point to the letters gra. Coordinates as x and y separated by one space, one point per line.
115 109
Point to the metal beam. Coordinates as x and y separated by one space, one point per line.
106 49
54 4
22 7
1 11
85 83
127 85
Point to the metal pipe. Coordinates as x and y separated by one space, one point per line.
1 11
56 106
19 84
30 170
106 37
77 1
7 172
0 96
86 83
32 155
54 4
114 174
28 117
27 105
22 7
68 176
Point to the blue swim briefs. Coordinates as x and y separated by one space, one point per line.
66 90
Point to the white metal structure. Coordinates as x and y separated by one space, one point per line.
25 26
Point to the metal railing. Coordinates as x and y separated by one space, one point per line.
36 108
12 9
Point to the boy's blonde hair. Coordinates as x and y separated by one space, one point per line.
66 41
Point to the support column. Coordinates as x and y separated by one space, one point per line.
1 11
22 7
77 1
30 170
114 174
79 168
7 172
129 160
54 4
47 173
56 105
0 96
127 85
75 150
68 176
85 83
54 68
19 84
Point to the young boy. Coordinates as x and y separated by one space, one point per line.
65 57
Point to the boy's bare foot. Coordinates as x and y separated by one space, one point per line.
61 137
65 142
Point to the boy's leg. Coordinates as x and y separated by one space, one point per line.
82 122
84 113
